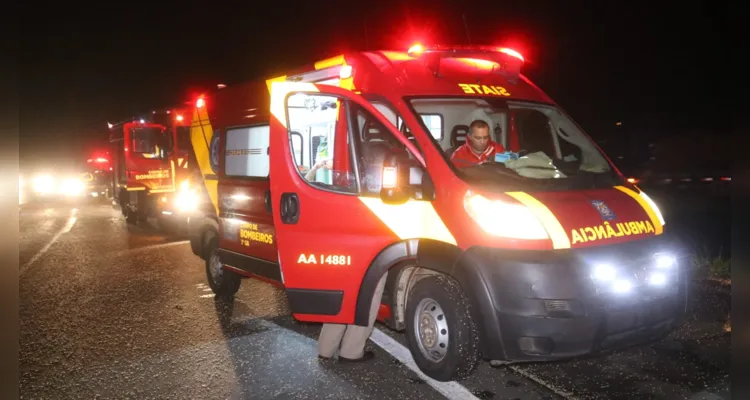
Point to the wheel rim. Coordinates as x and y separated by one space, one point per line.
431 330
215 267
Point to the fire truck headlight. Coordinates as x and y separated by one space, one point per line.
503 219
186 201
43 184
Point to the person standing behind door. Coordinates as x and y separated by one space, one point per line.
348 339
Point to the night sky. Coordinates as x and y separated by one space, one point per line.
85 64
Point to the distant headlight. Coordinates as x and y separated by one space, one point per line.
43 184
72 187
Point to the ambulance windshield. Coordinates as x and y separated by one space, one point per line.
513 140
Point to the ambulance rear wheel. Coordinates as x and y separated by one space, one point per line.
223 283
441 333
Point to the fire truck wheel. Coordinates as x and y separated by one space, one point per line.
441 333
223 283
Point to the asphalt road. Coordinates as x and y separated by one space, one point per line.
109 310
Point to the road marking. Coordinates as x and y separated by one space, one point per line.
152 247
451 390
542 383
68 226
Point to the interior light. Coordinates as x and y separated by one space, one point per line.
511 53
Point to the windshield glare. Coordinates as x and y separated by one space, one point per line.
540 140
150 142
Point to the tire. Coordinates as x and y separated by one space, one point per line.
223 283
453 351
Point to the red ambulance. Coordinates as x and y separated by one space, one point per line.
324 179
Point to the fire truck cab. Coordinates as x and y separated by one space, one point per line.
143 167
345 172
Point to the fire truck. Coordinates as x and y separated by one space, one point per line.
143 167
324 179
97 176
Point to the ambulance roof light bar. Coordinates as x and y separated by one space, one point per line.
509 60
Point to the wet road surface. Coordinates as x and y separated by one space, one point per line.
109 310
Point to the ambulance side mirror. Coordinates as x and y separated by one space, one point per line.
395 188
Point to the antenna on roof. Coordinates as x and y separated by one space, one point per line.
466 28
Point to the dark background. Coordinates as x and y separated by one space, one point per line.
655 68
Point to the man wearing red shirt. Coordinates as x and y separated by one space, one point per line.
479 147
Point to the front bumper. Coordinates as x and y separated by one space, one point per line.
538 306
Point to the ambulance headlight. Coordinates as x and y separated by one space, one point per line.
604 273
43 184
499 218
664 261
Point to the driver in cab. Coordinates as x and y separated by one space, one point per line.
479 148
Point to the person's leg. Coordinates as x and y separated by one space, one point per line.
330 339
355 338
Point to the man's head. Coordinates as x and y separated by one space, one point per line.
479 135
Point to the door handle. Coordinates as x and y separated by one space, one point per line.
268 201
289 208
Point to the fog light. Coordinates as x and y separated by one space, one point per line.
665 261
657 278
604 272
622 286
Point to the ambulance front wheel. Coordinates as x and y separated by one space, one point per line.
223 283
442 336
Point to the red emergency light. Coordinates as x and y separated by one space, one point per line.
179 118
200 103
508 61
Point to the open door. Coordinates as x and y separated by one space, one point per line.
326 234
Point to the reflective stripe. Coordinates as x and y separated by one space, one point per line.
414 219
555 231
658 228
201 134
330 62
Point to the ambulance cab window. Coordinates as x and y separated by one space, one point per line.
433 122
246 153
538 142
374 144
319 140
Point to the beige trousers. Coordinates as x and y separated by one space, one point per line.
350 340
